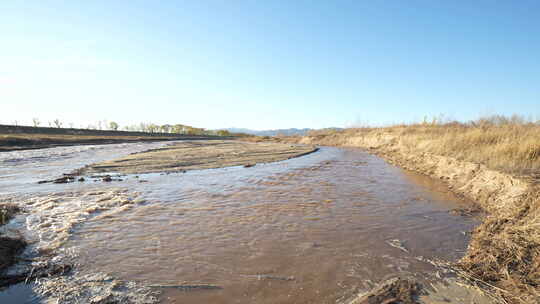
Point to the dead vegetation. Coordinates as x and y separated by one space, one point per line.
511 145
511 148
504 252
393 291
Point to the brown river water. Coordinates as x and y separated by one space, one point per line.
315 229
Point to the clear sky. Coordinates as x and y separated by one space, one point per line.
267 64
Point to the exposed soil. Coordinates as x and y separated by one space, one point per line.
200 155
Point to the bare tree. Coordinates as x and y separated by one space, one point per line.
57 123
36 122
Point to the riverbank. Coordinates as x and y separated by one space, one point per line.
496 167
196 155
26 141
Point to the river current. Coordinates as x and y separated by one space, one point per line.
314 229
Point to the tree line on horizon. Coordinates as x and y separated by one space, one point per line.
141 127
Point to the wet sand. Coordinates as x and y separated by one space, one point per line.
203 154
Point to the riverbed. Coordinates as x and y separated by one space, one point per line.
320 228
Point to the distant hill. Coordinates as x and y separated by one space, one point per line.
292 131
287 132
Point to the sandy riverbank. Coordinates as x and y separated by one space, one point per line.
202 154
504 253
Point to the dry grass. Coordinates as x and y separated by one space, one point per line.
510 145
397 290
511 148
505 249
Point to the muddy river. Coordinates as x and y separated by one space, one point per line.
314 229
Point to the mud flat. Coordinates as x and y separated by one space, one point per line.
503 256
200 155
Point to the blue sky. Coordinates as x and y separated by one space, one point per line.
267 64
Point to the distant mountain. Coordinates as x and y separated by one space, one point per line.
287 132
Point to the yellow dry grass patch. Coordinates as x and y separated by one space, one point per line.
509 147
505 249
512 148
